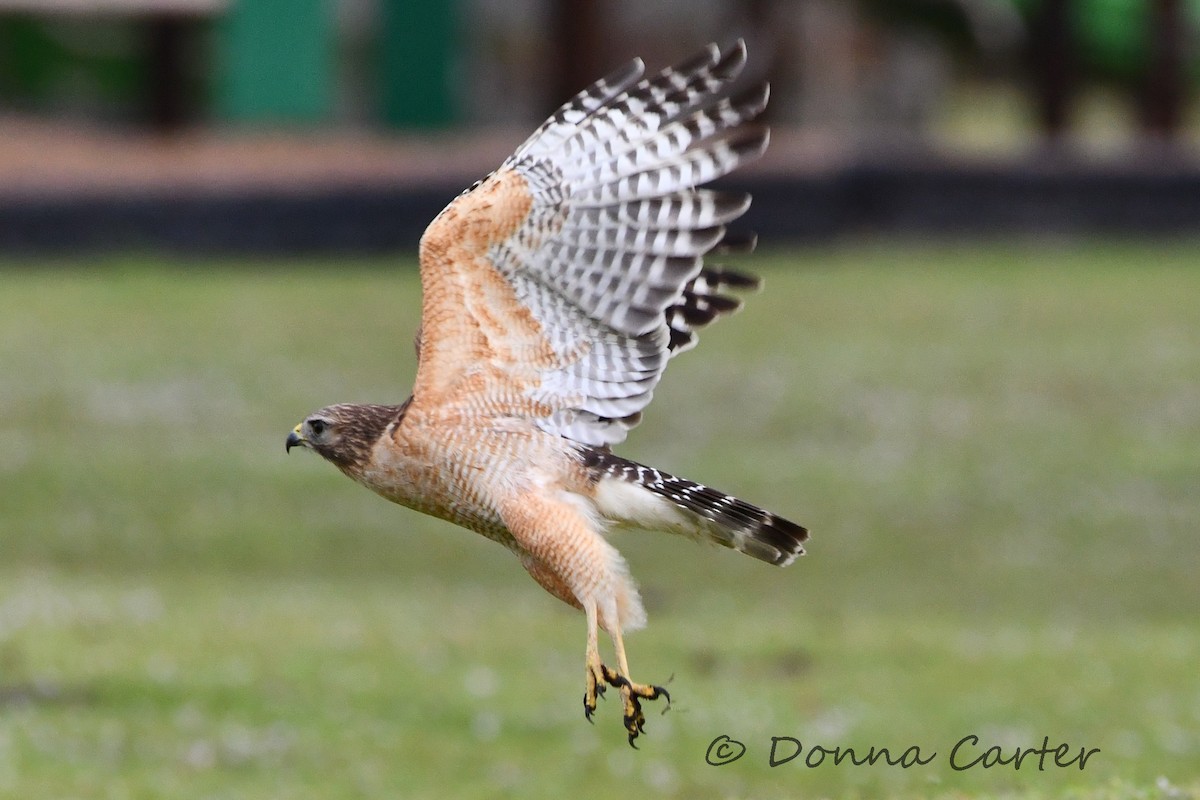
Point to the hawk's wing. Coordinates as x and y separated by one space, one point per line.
558 287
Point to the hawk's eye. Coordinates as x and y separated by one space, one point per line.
317 426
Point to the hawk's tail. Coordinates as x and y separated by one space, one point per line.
633 494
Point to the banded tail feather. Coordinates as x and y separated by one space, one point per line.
635 494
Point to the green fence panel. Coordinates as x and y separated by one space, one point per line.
416 63
277 60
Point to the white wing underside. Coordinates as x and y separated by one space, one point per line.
609 259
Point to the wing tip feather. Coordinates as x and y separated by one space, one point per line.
732 60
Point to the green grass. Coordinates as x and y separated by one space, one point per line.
997 448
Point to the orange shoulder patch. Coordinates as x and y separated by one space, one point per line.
475 332
489 214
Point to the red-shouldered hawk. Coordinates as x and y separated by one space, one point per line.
555 292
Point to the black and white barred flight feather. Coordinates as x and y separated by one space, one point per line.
610 259
640 496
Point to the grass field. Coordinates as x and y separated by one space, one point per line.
997 449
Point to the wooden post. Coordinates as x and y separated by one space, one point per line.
578 35
1163 92
1053 62
167 76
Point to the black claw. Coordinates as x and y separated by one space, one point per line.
595 689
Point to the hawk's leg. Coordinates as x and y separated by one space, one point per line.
596 671
599 675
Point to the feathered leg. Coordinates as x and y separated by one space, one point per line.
579 567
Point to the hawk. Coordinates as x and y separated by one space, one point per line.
555 292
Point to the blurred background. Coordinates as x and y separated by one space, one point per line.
974 373
925 115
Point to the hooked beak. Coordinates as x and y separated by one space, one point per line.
295 440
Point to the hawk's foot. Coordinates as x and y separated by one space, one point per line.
632 694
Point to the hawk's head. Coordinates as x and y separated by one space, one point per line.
344 434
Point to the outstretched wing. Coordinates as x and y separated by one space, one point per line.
558 287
